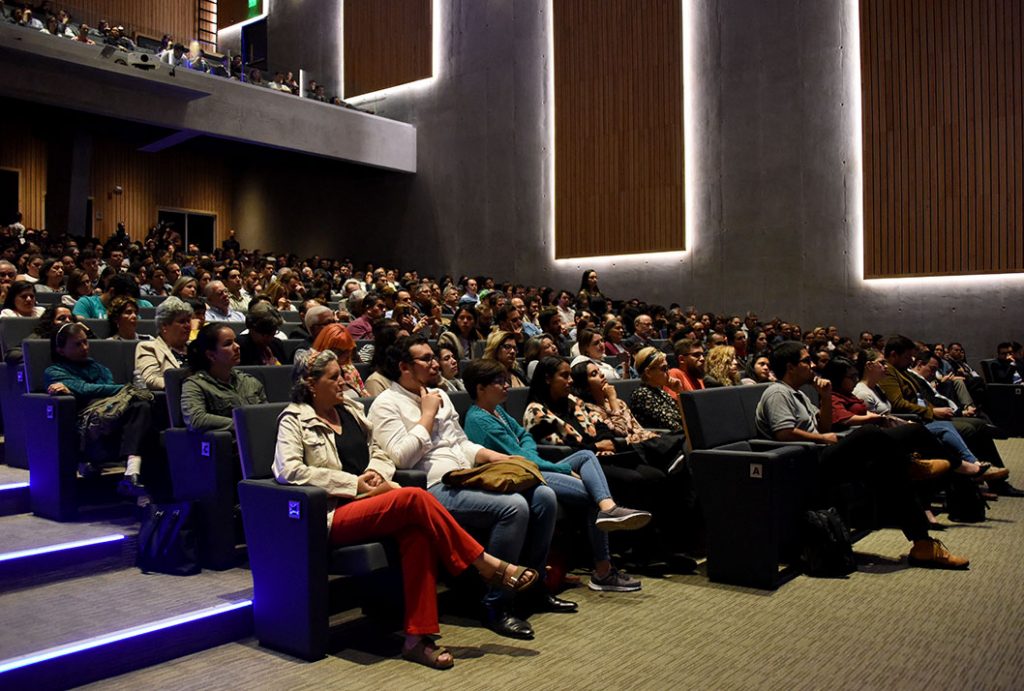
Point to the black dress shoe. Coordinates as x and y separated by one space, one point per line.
129 486
1005 489
501 622
550 603
680 562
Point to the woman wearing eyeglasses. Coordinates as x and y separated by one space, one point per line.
501 347
652 406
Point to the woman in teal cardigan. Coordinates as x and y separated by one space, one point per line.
577 480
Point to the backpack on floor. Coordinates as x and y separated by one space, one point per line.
167 541
964 502
827 550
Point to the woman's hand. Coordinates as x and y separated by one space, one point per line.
372 477
674 384
606 445
58 389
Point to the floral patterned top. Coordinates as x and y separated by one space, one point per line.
548 428
655 408
354 387
619 420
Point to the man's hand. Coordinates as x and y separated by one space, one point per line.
824 387
675 384
430 401
829 438
942 413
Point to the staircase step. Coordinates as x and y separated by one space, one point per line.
14 498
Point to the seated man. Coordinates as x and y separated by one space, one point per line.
1008 365
690 370
907 395
119 285
643 333
785 414
417 426
551 324
369 310
218 304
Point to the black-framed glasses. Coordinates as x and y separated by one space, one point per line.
807 360
427 359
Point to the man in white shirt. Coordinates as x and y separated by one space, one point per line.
218 304
417 426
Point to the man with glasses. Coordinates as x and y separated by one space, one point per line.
372 309
510 319
866 455
690 371
416 425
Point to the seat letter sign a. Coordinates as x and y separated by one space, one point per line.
756 471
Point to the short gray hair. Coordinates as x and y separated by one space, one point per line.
311 366
170 309
313 315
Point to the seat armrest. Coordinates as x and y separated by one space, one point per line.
553 452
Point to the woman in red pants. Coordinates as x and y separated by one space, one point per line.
323 441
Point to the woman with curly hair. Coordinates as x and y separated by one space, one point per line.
721 367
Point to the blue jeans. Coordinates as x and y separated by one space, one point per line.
584 493
519 526
947 434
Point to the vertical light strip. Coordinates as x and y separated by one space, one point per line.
647 258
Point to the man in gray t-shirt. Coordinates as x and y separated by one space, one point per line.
782 407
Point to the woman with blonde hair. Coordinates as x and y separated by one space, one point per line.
501 346
721 367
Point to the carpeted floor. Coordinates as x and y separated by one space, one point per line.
887 626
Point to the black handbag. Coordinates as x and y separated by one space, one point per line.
167 541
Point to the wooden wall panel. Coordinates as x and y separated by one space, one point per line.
943 146
27 154
619 167
179 178
387 43
153 17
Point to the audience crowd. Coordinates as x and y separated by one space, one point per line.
892 412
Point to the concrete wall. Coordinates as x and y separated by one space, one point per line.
773 164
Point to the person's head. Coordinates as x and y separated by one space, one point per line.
217 295
70 342
866 340
214 346
791 362
79 284
510 319
926 364
550 322
8 272
318 380
588 381
385 334
412 363
552 381
34 266
691 356
955 352
471 286
501 346
643 326
759 369
263 322
317 318
487 382
336 338
652 366
53 317
591 344
464 321
870 366
373 307
89 263
842 374
174 322
52 273
723 365
1004 352
233 281
123 316
185 287
737 338
21 297
449 361
613 331
538 347
899 351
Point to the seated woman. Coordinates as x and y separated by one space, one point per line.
538 347
123 318
451 381
721 367
614 334
185 288
259 346
462 333
79 285
555 416
870 370
604 407
336 338
591 345
323 441
383 338
169 349
758 371
51 277
501 347
74 373
21 301
650 404
216 388
577 479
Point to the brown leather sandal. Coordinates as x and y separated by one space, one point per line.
428 657
521 578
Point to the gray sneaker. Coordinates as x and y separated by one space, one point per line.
621 518
614 581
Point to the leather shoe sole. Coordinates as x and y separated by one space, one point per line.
508 625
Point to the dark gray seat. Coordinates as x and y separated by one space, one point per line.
277 380
14 330
286 532
1004 402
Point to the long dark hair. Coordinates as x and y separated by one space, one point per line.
474 335
206 340
540 385
383 338
581 380
16 289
